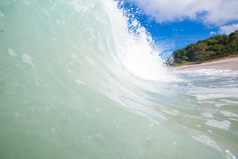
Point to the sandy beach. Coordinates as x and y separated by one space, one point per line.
229 63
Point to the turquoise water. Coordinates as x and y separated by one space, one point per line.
75 82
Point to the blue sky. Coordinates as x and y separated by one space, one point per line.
174 24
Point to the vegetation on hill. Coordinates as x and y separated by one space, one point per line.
212 48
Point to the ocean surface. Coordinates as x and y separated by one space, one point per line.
80 79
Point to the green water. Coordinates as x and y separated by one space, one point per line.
75 83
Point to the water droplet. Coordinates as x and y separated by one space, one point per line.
12 52
27 59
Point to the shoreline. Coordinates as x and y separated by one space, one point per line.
228 63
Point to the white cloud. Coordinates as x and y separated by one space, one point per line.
213 33
216 12
227 29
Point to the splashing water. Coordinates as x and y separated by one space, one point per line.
78 81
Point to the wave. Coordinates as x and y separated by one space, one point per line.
82 79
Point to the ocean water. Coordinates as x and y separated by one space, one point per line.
77 80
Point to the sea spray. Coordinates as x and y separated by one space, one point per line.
134 46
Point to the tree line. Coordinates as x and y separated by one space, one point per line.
212 48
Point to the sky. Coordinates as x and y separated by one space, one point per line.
174 24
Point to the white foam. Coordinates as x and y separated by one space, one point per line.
27 2
170 112
219 124
229 114
233 119
207 141
207 115
90 60
71 63
214 93
207 72
1 14
27 59
78 7
210 131
230 102
45 11
198 125
12 52
58 21
230 155
219 105
74 56
135 47
79 82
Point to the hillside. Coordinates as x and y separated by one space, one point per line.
204 50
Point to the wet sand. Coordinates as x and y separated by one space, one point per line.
230 63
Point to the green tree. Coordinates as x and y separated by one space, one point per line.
211 48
